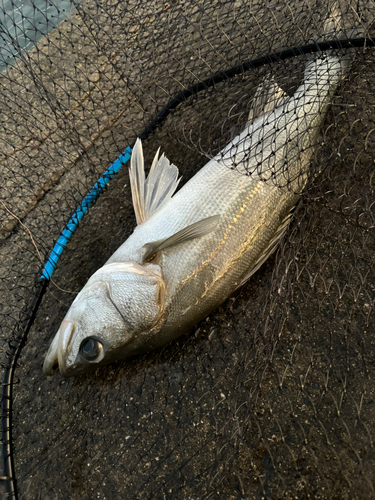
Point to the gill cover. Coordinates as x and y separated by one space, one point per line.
119 304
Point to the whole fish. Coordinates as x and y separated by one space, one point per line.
191 250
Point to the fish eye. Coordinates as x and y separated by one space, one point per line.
91 349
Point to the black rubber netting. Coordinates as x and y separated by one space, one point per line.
273 395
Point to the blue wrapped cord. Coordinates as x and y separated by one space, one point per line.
87 201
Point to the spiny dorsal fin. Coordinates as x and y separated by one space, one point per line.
196 230
150 194
267 97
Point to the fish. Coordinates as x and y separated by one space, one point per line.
191 249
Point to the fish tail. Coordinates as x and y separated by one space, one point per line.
333 24
330 67
342 23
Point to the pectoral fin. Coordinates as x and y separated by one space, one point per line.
196 230
150 194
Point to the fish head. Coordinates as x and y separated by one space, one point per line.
109 319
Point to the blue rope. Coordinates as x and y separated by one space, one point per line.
87 201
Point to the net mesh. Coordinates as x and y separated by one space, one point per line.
273 394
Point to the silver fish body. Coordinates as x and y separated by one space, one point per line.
132 304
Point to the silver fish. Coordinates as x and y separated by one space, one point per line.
191 250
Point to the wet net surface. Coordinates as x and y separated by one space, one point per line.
271 396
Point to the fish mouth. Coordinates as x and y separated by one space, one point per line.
55 360
51 362
50 367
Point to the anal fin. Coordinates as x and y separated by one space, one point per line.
270 248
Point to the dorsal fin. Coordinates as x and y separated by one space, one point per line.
267 97
196 230
150 194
